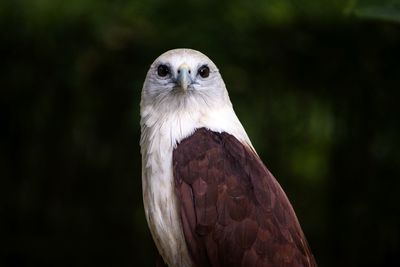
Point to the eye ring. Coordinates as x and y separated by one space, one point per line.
163 70
204 71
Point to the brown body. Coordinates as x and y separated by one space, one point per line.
233 211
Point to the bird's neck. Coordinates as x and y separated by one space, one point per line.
167 127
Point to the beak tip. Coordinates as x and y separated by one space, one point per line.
184 79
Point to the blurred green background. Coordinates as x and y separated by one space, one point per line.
315 83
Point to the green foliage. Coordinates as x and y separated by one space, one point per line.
374 9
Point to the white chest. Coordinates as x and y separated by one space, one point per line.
160 202
159 136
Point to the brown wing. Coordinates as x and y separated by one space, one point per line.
233 211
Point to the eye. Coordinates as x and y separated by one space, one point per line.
163 70
204 71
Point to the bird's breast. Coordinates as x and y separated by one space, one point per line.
161 207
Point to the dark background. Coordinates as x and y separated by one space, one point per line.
315 83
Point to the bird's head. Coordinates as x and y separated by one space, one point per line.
183 79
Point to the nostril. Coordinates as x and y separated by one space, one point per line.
190 71
179 71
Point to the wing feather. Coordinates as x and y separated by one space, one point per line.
233 211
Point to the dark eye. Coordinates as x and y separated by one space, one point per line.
162 70
204 71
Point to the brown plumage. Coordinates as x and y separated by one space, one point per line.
233 211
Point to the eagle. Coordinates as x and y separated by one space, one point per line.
208 198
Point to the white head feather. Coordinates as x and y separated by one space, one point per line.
172 108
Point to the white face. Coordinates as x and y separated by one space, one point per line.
180 75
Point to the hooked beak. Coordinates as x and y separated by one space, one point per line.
183 79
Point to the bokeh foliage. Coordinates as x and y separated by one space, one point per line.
315 83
